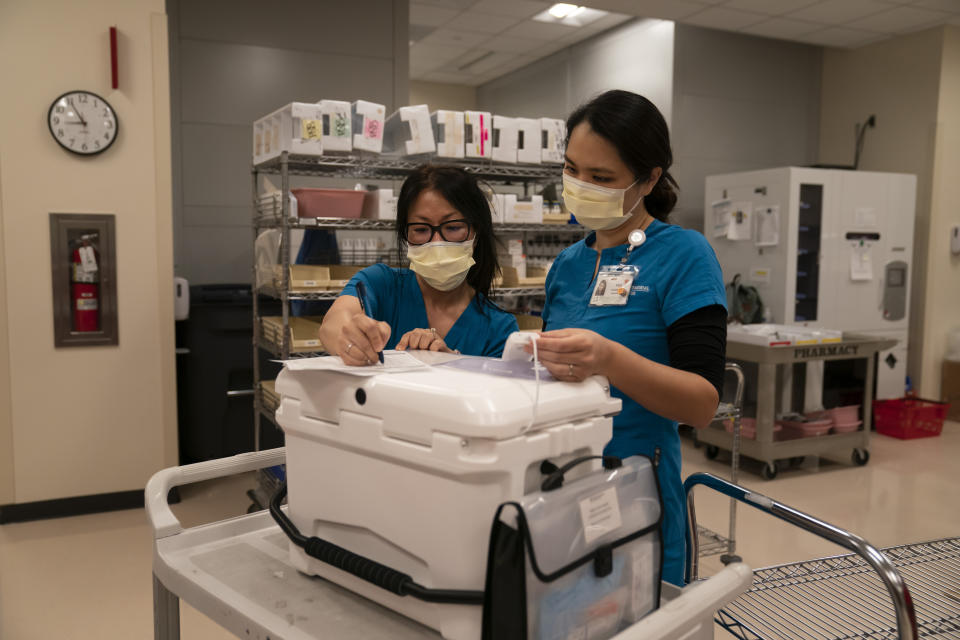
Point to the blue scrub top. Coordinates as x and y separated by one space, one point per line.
394 297
678 273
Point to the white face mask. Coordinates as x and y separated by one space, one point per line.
595 207
444 265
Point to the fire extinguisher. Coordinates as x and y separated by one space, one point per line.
85 287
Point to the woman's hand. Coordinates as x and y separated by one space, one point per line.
361 340
573 354
423 339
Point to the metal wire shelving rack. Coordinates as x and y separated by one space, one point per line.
275 213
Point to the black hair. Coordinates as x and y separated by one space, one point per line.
461 190
637 129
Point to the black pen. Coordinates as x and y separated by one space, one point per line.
362 297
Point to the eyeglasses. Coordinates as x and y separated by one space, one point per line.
451 231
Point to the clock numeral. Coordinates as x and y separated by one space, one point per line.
82 98
83 147
56 120
106 113
59 110
59 133
96 143
96 103
72 140
108 124
106 136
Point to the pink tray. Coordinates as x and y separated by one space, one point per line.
329 203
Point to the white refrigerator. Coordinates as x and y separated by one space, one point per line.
824 247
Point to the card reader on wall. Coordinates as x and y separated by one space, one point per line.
955 240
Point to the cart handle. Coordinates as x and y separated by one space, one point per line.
902 601
161 518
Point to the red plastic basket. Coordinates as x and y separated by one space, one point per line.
908 418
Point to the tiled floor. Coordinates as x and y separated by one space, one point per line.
89 577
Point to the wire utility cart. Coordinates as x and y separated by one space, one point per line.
275 213
238 573
903 592
712 543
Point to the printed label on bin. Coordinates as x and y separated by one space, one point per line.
310 129
600 514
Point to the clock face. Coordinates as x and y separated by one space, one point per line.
83 122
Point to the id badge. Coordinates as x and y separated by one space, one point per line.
613 285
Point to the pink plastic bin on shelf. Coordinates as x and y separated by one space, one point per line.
845 415
748 427
806 429
329 203
847 427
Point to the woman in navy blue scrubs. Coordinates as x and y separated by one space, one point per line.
442 302
649 315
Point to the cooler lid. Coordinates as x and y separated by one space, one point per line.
476 398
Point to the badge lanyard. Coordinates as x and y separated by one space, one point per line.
615 281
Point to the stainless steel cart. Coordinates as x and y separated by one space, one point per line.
769 360
238 573
903 592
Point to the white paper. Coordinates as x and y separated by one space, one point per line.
760 275
740 227
721 218
393 362
600 514
88 258
861 265
768 226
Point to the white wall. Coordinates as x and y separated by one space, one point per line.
943 268
637 56
437 95
740 103
898 80
96 419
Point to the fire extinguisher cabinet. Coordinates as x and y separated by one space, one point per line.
83 267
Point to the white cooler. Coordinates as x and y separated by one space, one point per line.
407 469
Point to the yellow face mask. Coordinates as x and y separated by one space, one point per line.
444 265
595 207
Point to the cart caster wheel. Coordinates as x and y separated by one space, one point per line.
769 471
711 452
860 457
728 558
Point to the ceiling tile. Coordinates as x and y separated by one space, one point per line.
447 37
429 15
424 57
664 9
482 22
444 77
769 7
512 45
899 19
515 8
418 32
538 30
722 18
488 63
836 13
840 37
782 28
950 6
459 5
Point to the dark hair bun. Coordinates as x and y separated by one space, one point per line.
663 198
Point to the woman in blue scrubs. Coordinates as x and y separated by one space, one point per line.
441 303
646 310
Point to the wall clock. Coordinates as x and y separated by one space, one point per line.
82 122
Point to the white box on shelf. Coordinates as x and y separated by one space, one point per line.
448 132
553 134
505 134
407 132
528 140
523 210
421 460
476 133
497 207
296 128
368 120
380 204
337 127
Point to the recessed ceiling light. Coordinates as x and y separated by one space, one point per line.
569 15
562 10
